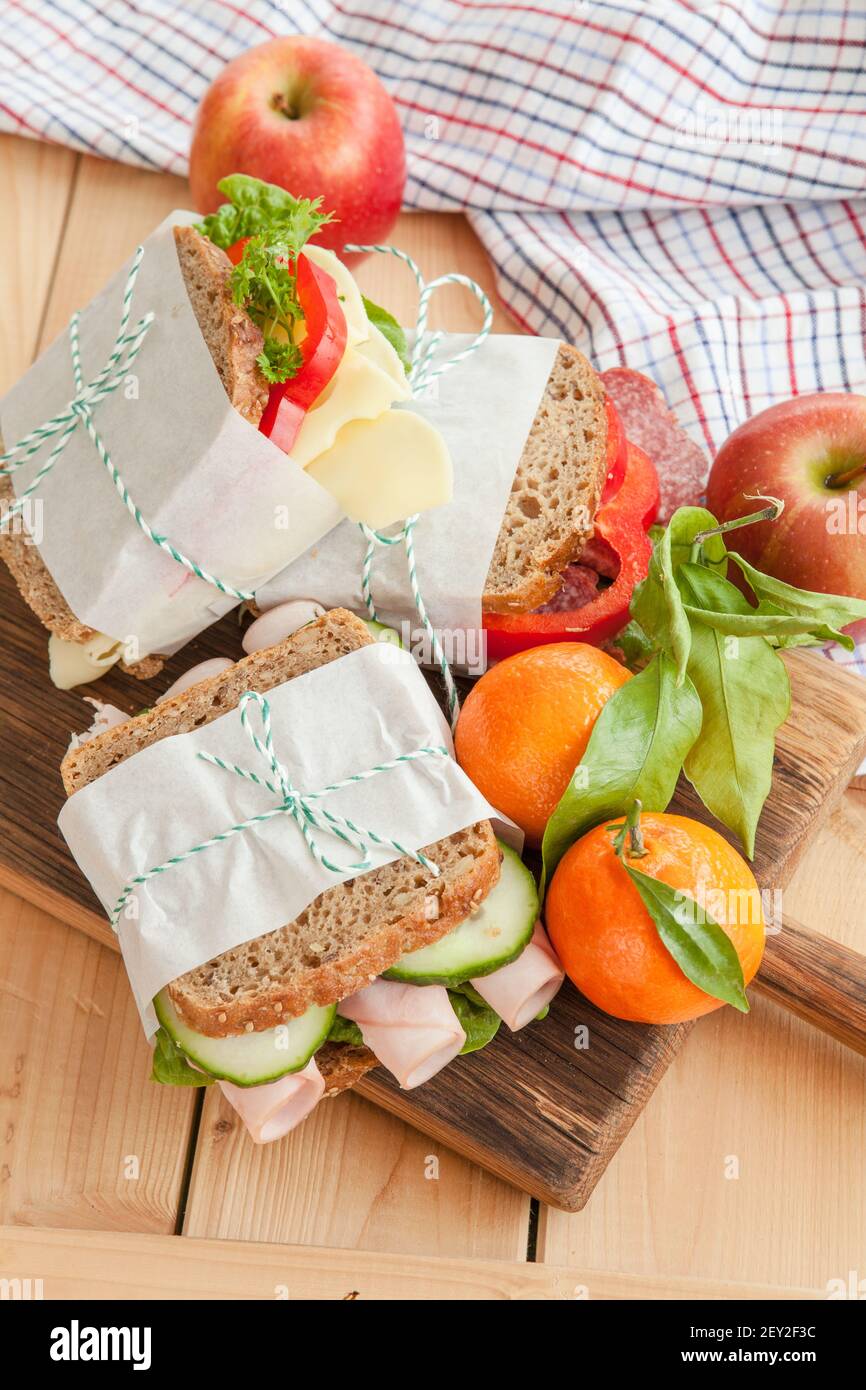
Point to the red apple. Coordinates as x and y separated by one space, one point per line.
310 116
810 452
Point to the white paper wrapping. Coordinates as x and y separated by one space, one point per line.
200 473
343 718
484 407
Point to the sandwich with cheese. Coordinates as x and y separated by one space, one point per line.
548 550
395 968
305 359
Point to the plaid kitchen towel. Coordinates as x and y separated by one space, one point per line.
677 187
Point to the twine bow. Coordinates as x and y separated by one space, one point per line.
423 369
310 819
88 395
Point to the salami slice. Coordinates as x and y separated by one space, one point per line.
653 427
579 587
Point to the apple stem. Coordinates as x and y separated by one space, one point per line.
280 102
836 480
769 513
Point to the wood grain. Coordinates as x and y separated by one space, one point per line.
87 1265
819 980
85 1140
37 182
350 1176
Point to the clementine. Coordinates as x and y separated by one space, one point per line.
606 939
525 725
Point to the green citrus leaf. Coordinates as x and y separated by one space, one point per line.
700 947
656 603
825 611
635 752
745 695
720 605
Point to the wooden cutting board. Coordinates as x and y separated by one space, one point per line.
545 1108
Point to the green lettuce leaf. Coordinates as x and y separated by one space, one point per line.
344 1031
170 1066
477 1019
255 208
390 329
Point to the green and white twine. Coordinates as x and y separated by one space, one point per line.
300 806
423 369
80 409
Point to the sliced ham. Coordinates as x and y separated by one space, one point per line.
519 991
412 1029
270 1111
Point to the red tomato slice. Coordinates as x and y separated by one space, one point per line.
322 350
235 252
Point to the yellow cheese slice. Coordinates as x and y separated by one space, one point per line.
77 663
379 351
357 323
358 390
381 471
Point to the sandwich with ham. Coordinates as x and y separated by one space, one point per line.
395 968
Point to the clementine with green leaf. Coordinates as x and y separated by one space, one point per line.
660 927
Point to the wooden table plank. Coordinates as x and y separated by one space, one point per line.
765 1096
79 1145
85 1139
352 1177
87 1265
37 183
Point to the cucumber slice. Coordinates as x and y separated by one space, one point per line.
495 935
252 1058
382 633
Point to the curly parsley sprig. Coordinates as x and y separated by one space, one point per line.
263 282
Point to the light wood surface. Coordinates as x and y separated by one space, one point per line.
87 1264
782 1099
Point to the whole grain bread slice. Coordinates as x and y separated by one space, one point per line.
233 340
557 488
234 343
352 932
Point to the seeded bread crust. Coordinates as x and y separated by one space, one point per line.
352 932
342 1066
557 488
234 342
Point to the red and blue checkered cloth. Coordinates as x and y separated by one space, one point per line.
677 187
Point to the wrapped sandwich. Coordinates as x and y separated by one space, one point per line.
256 410
545 535
259 964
